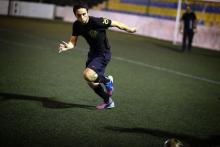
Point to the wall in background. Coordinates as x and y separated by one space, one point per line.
207 13
207 36
30 9
4 7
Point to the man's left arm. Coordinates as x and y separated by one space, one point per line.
195 22
122 26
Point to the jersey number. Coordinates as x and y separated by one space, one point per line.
105 21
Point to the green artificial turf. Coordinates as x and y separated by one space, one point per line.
160 92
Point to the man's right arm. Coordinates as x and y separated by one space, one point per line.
70 45
181 26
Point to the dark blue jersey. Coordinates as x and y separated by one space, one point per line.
94 32
189 21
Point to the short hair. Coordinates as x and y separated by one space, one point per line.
80 5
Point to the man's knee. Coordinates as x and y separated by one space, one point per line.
90 75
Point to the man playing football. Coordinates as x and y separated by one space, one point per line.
93 29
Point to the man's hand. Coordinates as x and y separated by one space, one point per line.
65 46
195 30
132 30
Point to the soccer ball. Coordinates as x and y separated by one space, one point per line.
173 142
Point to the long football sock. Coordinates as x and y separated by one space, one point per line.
102 79
100 91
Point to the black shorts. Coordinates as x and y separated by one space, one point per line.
98 62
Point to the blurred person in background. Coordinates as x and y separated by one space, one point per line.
188 27
93 29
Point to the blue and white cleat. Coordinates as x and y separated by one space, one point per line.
109 86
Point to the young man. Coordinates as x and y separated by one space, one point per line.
188 28
94 31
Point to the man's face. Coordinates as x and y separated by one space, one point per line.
82 15
188 9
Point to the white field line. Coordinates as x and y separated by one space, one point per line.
167 70
133 62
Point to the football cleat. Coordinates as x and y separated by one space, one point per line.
173 142
109 86
106 105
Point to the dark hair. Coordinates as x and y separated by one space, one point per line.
80 5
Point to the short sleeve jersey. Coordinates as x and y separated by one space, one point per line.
189 20
94 32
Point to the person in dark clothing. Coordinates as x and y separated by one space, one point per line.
188 28
93 29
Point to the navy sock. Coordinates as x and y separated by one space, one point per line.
102 79
100 91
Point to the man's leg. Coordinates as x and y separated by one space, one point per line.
191 34
108 82
98 89
91 77
184 41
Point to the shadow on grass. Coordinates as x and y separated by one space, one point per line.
191 140
170 47
209 53
47 102
195 50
